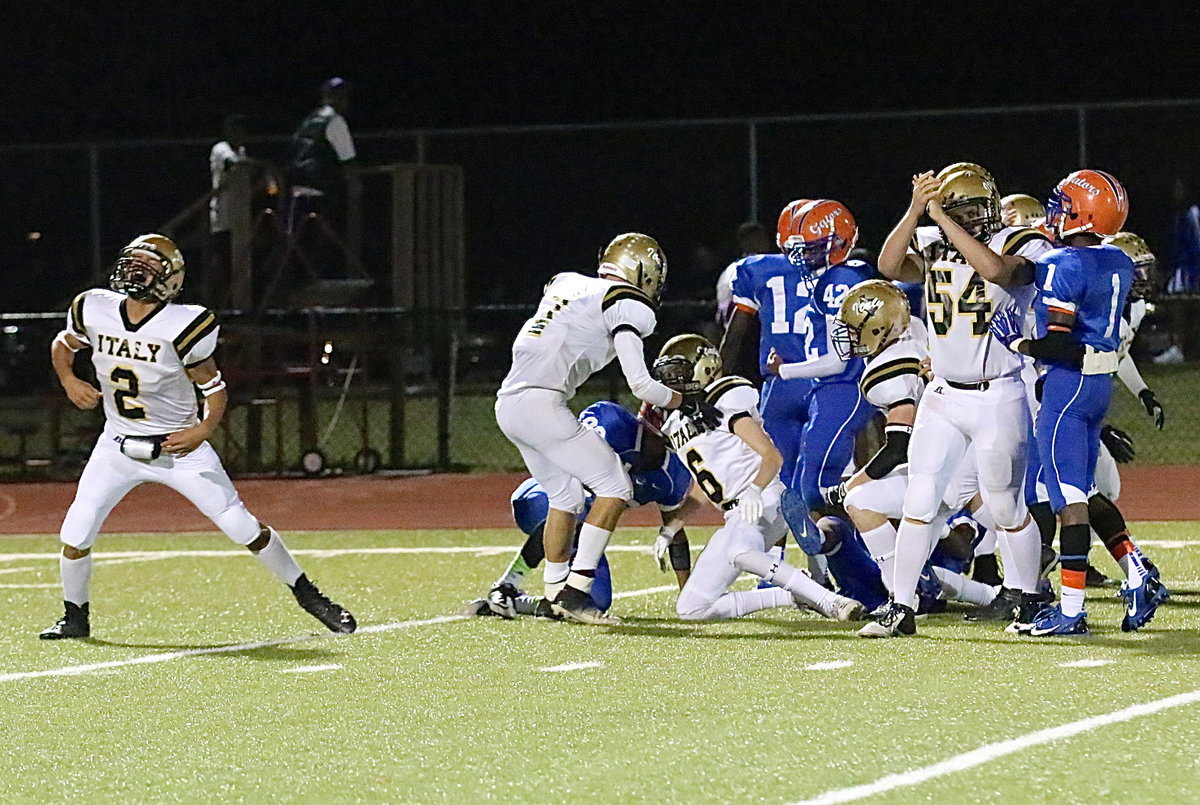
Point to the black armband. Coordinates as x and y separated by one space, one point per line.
893 453
680 553
1057 347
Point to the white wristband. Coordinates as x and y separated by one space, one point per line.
213 386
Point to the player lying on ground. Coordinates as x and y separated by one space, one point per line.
658 477
581 324
151 355
1082 288
736 465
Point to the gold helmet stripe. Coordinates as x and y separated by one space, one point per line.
718 389
620 292
200 326
77 314
1019 239
896 368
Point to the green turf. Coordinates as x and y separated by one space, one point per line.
459 712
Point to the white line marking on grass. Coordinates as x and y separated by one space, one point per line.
1085 663
309 669
828 666
25 569
49 585
149 659
1169 543
322 553
573 666
990 752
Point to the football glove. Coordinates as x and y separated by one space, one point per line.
662 547
1153 407
1119 444
750 504
1006 325
702 413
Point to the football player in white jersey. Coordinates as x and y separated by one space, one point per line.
581 324
736 465
874 323
976 396
1020 209
151 356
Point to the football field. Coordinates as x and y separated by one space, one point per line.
203 681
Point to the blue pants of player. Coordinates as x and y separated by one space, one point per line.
785 413
837 412
530 511
1068 433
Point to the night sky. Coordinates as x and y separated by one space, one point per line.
78 71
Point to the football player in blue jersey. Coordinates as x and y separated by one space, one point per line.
817 238
658 477
1082 288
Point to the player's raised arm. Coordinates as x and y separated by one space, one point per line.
896 262
738 349
1005 270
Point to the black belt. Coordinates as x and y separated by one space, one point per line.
982 385
729 505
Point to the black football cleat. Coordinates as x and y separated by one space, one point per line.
73 624
1097 579
335 618
575 605
1002 608
896 620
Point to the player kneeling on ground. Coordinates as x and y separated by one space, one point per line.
737 466
658 477
151 355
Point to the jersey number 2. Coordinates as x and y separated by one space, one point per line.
124 376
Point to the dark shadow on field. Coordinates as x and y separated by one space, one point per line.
283 652
1166 643
700 630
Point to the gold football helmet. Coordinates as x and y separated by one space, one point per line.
972 200
1145 264
687 363
873 315
150 268
637 259
974 167
1019 209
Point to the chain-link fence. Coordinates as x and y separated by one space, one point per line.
385 389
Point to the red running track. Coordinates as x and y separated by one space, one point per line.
440 501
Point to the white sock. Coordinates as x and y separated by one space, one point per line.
554 576
1021 553
914 544
735 605
818 566
957 587
76 578
987 544
278 559
781 574
983 516
881 542
1072 600
590 547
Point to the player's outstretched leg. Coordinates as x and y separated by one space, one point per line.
268 547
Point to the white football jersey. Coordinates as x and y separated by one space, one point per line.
959 304
142 367
570 337
893 377
722 464
1130 325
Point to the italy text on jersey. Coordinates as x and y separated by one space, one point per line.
142 366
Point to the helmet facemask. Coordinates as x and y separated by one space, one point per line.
142 275
676 373
977 216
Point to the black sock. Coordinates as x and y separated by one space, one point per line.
986 570
1043 515
1075 542
534 550
1107 520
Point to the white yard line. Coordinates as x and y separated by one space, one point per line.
573 666
832 665
478 550
990 752
1085 663
168 656
309 669
46 585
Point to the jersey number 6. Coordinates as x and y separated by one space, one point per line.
708 482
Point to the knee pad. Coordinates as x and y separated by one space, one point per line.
238 524
80 526
691 607
921 501
568 499
1005 489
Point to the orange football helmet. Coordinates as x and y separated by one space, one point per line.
816 234
1088 201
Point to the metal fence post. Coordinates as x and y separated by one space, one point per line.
752 159
1081 115
94 209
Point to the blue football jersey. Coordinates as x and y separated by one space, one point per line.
778 291
666 485
1092 282
830 289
